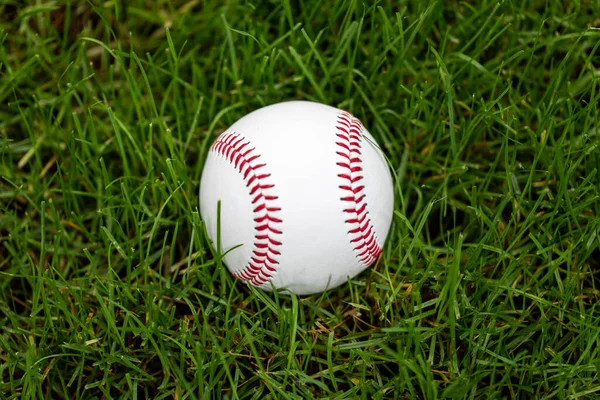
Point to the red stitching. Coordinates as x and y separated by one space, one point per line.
237 150
361 230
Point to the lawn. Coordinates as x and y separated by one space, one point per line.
488 285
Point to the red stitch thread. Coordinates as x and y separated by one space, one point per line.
361 230
237 150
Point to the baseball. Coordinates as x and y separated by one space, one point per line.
306 197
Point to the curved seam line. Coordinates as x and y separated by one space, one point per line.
362 233
263 262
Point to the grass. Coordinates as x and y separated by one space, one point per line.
489 283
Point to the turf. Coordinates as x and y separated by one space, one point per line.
488 286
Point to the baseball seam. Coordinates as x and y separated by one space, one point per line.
265 252
362 233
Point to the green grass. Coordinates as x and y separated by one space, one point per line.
489 282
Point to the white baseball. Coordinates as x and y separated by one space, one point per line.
306 197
